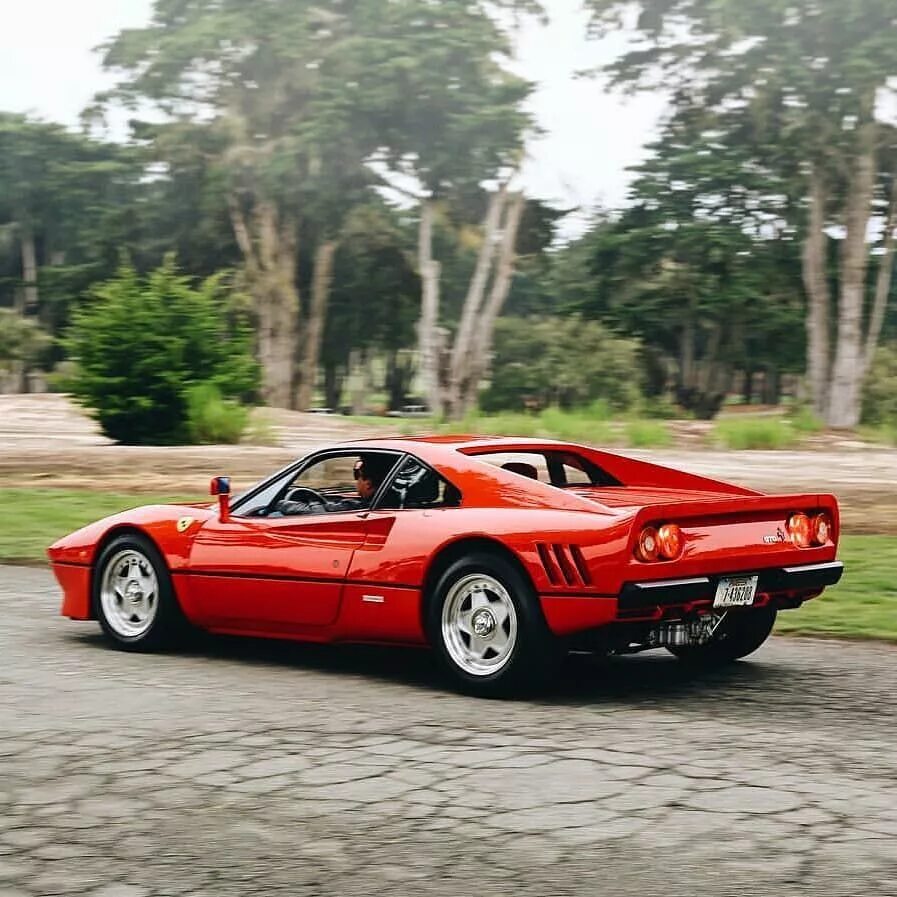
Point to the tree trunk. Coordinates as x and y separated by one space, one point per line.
333 385
427 335
29 272
883 284
748 388
459 373
685 390
772 386
359 381
269 252
847 371
398 379
815 276
320 292
481 345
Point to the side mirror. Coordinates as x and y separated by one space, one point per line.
220 486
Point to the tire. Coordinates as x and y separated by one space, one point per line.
485 622
133 598
742 634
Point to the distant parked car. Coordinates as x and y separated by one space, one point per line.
500 554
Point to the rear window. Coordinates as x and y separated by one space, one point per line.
561 469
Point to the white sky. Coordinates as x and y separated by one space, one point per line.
48 68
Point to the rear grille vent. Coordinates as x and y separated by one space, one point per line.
564 564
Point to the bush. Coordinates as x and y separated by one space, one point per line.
754 433
142 344
648 434
805 422
22 341
567 362
213 419
577 426
880 390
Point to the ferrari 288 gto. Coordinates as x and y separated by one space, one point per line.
499 554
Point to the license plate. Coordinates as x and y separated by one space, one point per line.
737 591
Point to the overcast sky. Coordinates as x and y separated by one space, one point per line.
48 68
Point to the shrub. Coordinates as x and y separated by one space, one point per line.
880 389
648 434
22 341
577 426
805 422
566 362
754 433
142 344
213 419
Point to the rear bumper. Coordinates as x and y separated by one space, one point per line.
806 578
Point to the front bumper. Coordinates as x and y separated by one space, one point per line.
805 578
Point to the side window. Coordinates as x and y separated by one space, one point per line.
330 475
332 484
574 475
528 464
417 486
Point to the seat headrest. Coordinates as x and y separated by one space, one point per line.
521 467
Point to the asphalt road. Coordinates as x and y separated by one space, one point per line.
243 767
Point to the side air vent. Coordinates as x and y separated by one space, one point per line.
580 561
564 564
551 567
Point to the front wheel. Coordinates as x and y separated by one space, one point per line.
486 624
133 598
741 634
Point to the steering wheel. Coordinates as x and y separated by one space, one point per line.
306 494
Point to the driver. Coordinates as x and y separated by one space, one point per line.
367 481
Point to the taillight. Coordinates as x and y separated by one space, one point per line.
647 548
670 541
800 530
660 543
822 529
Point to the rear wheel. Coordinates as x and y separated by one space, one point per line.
740 634
133 598
486 624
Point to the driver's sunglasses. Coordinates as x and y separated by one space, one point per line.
358 472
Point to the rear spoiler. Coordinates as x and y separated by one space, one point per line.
728 507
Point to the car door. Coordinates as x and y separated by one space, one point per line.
258 570
382 597
279 574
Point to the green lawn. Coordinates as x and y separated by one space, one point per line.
864 605
32 519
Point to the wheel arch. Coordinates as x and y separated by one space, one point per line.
122 529
464 545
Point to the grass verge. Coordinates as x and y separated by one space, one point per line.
864 605
754 433
35 518
595 425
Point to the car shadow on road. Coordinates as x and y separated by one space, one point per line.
582 680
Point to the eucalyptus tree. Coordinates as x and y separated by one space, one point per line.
62 197
448 114
801 83
697 266
290 159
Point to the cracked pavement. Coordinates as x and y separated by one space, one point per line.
248 767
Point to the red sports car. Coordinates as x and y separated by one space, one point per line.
499 553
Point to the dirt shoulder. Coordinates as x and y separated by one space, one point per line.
45 440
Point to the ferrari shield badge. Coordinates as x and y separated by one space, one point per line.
184 524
